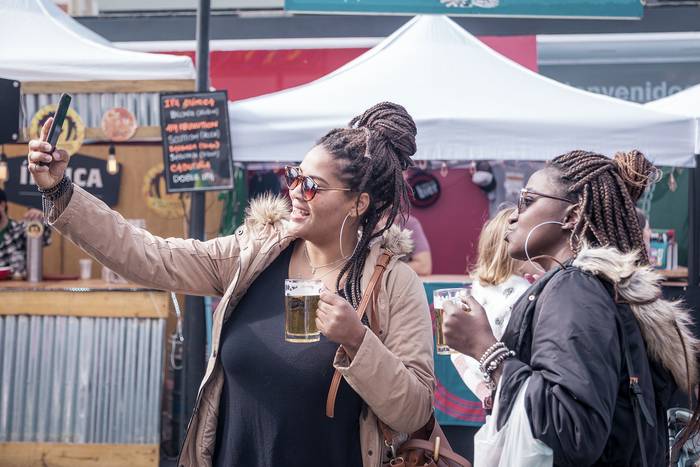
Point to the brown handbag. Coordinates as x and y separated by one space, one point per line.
427 447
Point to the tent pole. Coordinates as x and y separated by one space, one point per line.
694 225
692 293
194 331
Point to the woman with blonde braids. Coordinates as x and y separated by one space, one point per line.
592 353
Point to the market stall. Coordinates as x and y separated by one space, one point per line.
115 107
687 103
469 103
687 286
101 344
81 373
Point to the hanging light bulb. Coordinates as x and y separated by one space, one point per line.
112 165
4 170
444 170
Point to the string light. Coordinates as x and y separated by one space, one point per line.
112 165
444 170
4 170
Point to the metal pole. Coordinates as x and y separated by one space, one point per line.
694 225
692 293
194 332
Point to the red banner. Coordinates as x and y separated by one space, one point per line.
251 73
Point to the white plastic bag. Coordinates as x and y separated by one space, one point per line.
514 445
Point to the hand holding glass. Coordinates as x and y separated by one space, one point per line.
441 296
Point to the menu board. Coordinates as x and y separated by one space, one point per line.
196 141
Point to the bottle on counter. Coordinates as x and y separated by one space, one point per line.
35 250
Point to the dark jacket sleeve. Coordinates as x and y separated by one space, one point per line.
574 369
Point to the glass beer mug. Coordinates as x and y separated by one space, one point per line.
301 297
441 296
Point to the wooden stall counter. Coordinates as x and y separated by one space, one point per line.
674 277
446 279
81 373
93 297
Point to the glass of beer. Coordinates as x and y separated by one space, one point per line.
441 296
301 297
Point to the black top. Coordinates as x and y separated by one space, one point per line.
272 410
567 332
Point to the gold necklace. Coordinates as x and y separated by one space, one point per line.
327 273
322 266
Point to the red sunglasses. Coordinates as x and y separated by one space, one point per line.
309 187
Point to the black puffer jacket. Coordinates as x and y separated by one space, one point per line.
568 331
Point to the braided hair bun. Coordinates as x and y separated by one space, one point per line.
636 171
606 191
372 153
393 127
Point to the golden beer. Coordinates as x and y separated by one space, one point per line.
301 299
441 296
440 345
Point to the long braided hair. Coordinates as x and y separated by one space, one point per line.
372 152
606 191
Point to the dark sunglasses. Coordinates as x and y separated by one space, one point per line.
309 187
523 201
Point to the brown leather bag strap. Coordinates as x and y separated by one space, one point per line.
369 295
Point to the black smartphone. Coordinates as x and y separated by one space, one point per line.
58 118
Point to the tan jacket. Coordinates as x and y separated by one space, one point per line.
392 372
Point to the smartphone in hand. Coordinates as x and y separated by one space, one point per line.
58 118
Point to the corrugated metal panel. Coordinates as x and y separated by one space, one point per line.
91 107
80 380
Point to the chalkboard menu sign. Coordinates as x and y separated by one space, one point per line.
196 141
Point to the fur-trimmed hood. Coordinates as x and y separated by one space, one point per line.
665 325
272 210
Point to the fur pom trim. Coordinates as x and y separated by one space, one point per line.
665 325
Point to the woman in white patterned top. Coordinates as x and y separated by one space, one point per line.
497 284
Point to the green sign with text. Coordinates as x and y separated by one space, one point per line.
522 8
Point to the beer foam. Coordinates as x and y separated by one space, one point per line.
441 296
298 288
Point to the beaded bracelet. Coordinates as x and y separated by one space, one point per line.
490 351
497 353
57 190
493 366
55 199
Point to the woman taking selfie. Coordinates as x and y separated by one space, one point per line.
263 400
591 354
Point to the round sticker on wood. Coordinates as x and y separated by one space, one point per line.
426 189
118 124
34 229
72 134
169 206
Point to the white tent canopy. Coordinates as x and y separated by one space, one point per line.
686 102
468 101
41 43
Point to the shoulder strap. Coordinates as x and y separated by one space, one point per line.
369 294
635 392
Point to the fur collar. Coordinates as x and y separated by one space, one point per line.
271 210
665 325
267 210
